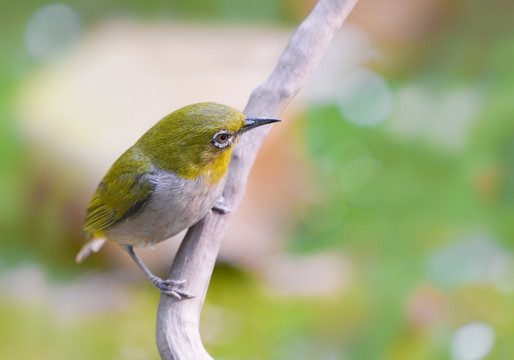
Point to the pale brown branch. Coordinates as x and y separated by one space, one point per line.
177 331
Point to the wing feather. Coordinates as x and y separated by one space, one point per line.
124 190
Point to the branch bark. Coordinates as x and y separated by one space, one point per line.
177 330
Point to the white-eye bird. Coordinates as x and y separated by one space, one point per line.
166 182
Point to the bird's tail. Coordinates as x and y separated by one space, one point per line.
90 247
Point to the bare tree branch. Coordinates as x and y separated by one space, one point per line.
178 335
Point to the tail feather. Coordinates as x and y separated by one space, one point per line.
90 247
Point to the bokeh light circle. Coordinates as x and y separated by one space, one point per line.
365 99
472 341
52 29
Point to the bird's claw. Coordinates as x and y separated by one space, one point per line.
220 207
171 288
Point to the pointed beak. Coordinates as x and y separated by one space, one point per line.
253 122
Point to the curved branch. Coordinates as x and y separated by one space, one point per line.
177 331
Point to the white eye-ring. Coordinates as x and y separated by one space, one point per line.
222 139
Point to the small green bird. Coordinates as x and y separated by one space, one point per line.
166 182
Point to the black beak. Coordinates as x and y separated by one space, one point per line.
253 122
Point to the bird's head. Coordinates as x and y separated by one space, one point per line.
198 139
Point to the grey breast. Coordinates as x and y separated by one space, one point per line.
175 204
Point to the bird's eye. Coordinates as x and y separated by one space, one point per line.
222 139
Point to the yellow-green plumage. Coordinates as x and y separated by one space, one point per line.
124 187
187 149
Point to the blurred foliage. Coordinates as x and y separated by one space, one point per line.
388 201
396 199
34 331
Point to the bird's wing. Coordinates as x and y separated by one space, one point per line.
126 187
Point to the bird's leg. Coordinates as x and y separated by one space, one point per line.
168 286
220 207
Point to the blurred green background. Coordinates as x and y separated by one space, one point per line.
379 219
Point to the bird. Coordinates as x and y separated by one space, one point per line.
167 181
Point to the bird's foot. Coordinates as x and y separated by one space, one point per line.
171 288
220 207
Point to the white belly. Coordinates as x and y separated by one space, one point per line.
175 205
